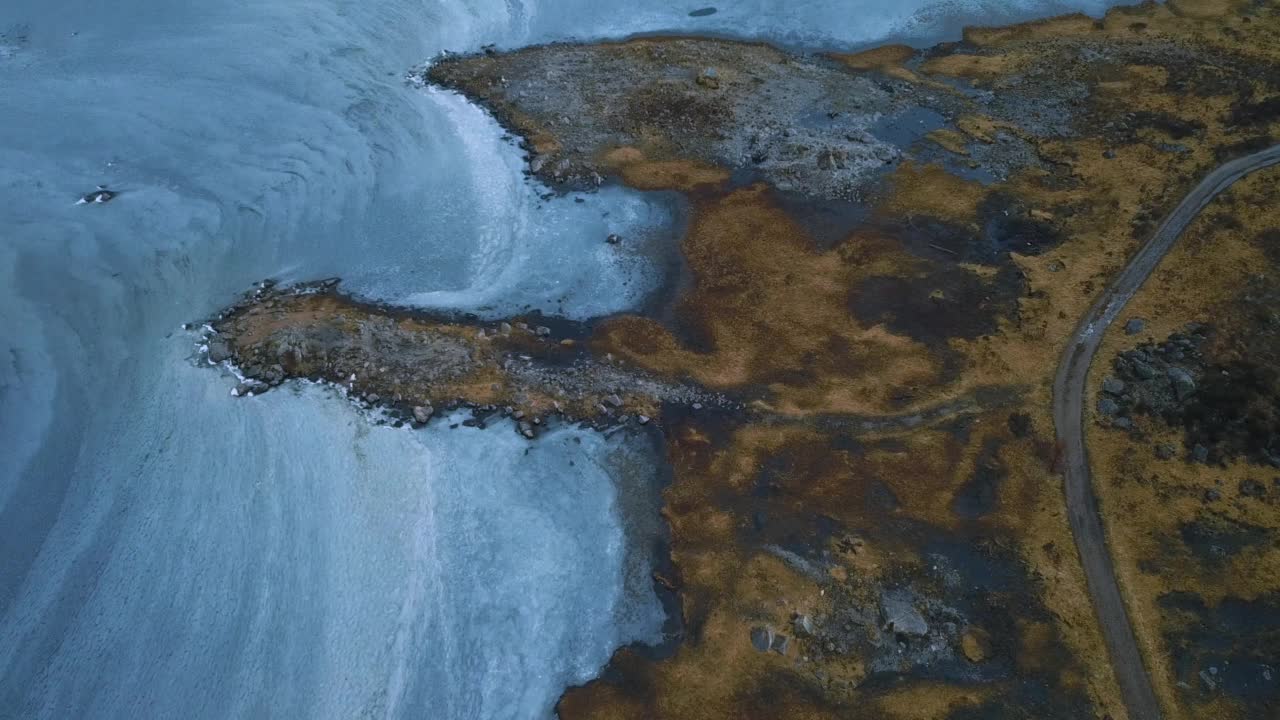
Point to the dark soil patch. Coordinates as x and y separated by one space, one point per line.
1269 241
1236 412
1213 538
979 495
1254 112
941 303
1232 649
1005 227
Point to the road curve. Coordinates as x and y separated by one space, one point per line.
1068 417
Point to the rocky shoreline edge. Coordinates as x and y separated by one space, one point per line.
379 357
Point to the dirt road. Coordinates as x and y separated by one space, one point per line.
1068 416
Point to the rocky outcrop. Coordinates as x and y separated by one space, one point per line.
410 364
1225 406
802 123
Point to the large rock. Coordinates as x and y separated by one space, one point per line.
1141 369
1107 406
219 350
249 388
1183 384
901 616
272 375
762 638
780 643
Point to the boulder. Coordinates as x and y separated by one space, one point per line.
832 159
1107 406
1134 326
1252 488
1141 369
803 624
273 375
780 643
762 638
422 413
901 616
1113 386
1183 384
219 350
249 388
